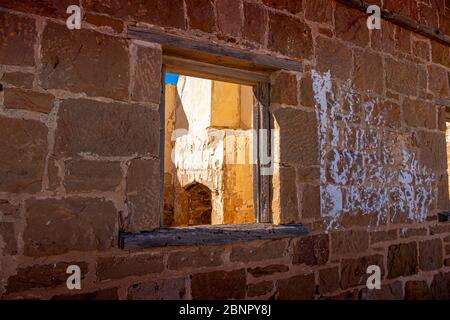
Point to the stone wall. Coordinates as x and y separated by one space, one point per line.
360 152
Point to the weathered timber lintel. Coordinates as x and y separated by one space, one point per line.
402 21
218 52
208 235
208 71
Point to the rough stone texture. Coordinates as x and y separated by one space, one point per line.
418 113
88 127
284 88
167 289
18 79
354 271
293 7
381 236
403 40
147 75
218 285
289 36
8 209
296 288
298 143
268 270
350 25
88 176
440 53
259 289
368 74
310 201
403 7
387 114
131 265
28 100
43 276
17 37
430 254
401 77
384 40
255 21
104 21
288 201
440 286
56 226
311 250
335 57
417 290
328 280
306 91
104 294
391 291
402 260
319 11
432 149
308 174
143 195
266 250
201 257
421 49
201 15
81 62
22 155
165 13
229 20
48 8
353 241
352 141
436 81
8 236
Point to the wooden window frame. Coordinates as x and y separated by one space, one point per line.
205 59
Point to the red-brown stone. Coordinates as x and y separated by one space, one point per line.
42 276
17 38
84 61
219 285
289 36
351 25
56 226
311 250
263 251
28 100
354 271
402 260
106 129
22 155
201 15
143 195
131 265
255 21
430 254
284 88
88 176
301 287
164 13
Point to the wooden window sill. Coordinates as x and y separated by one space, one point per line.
205 235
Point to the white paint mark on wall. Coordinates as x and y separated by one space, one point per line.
367 167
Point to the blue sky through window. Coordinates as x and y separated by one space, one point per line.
171 78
